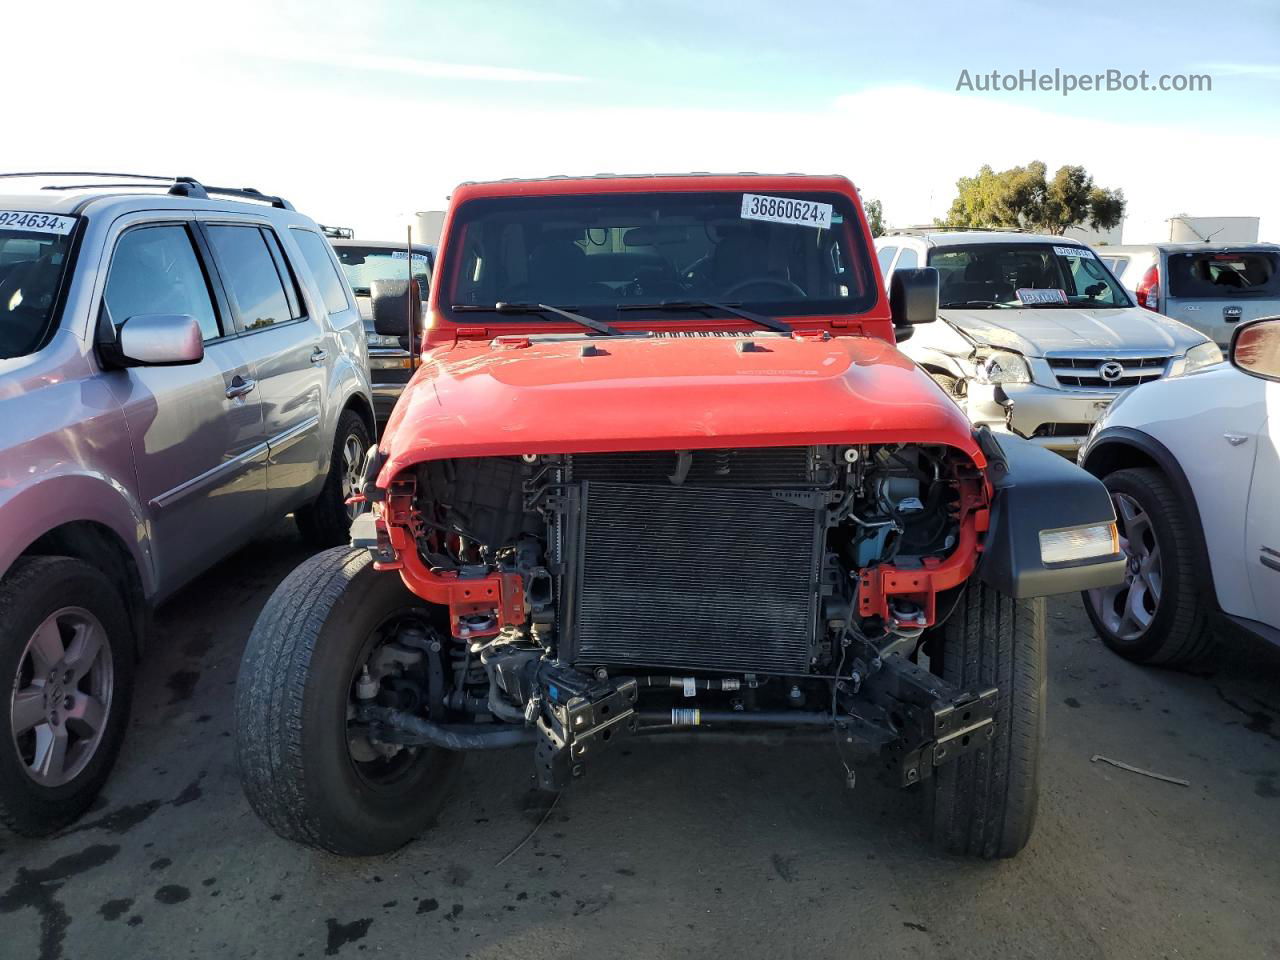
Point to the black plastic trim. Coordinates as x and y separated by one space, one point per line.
1042 491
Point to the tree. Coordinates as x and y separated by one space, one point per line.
875 217
1024 198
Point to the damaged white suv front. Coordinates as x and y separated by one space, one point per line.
1037 336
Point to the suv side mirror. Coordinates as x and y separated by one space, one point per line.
1255 348
913 298
156 340
393 303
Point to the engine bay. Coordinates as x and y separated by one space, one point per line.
583 596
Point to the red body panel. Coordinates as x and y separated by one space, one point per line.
479 399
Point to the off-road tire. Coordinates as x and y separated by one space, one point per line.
290 714
32 590
1181 632
983 803
325 522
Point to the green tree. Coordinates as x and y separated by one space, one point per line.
875 217
1024 197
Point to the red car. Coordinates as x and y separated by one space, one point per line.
662 470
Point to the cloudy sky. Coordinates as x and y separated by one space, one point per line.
361 112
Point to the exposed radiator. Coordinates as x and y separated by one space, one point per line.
749 466
698 578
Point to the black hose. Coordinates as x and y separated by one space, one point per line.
449 736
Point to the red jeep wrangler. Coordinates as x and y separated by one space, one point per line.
663 471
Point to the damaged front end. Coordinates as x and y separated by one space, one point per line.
583 598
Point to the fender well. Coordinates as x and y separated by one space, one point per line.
1120 448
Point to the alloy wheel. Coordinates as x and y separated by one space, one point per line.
352 474
61 696
1127 609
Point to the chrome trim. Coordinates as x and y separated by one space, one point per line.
285 440
211 477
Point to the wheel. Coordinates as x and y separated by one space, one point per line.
66 658
326 521
1162 613
306 768
984 802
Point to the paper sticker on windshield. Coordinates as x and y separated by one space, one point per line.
404 255
803 213
1075 252
36 222
1028 297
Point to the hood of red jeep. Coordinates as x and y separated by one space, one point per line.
580 395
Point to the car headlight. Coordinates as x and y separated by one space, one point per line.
1002 366
1201 356
1076 544
380 340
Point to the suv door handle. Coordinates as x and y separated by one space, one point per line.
239 387
318 355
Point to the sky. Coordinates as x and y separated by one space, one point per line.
363 112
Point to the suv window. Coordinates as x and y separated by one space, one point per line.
1224 273
907 260
315 250
363 265
249 271
885 256
155 270
990 275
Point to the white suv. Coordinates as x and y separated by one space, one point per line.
1035 335
1193 466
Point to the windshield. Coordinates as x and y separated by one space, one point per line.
363 265
1015 275
793 254
33 252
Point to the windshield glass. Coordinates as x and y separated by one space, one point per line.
363 265
793 254
33 252
1024 275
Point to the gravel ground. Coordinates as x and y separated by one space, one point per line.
688 850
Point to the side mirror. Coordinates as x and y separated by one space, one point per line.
158 340
913 298
394 303
1255 348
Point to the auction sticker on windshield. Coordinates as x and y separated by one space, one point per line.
1074 252
403 255
36 222
803 213
1029 297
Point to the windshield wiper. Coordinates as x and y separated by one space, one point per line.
972 304
503 306
676 306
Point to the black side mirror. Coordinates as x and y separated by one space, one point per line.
913 298
1255 348
396 305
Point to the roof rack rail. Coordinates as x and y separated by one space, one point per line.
178 186
337 233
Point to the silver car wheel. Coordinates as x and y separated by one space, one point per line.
61 696
1127 610
352 475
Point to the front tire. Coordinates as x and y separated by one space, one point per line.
66 661
984 802
298 765
1162 613
326 521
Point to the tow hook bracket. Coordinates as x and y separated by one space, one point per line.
580 716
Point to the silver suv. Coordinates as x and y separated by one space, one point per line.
1035 336
180 366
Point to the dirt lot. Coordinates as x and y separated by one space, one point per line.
677 850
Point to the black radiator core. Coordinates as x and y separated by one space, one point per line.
698 578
